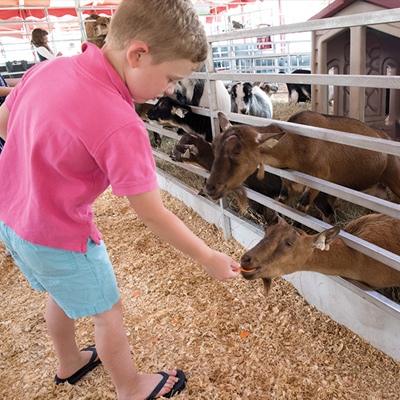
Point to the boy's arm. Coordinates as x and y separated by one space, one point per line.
162 222
11 82
4 115
5 91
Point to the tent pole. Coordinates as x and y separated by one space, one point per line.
46 12
80 21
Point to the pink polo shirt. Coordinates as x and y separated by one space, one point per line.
72 132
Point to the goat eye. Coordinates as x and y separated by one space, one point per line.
288 244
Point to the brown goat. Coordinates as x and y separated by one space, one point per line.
240 149
286 249
193 148
96 31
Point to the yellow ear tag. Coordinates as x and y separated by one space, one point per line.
272 142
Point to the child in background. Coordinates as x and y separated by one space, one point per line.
75 117
40 40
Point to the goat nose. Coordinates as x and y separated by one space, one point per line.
210 189
243 111
246 259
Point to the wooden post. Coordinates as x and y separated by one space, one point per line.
358 50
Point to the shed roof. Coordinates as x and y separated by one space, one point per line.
339 5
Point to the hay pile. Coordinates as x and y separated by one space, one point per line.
182 318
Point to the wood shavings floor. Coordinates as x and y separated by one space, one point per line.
184 319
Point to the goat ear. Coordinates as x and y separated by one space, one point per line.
326 237
332 234
223 121
186 154
275 220
192 149
267 285
233 145
178 111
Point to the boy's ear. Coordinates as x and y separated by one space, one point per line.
134 53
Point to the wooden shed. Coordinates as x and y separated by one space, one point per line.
359 50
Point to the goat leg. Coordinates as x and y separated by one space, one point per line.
324 203
306 199
284 194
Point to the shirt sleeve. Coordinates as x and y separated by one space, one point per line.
45 53
127 160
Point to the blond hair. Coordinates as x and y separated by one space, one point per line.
170 28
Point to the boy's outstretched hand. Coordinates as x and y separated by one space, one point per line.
222 267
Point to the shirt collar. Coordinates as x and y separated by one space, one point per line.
93 61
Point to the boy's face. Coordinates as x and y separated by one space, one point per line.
147 81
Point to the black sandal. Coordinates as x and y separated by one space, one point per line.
178 387
84 370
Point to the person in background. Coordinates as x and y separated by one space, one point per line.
72 51
40 39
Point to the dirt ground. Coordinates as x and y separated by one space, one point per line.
231 341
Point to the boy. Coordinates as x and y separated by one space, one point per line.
72 131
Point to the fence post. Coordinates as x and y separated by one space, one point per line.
212 96
358 38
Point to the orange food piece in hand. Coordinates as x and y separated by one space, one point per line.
244 334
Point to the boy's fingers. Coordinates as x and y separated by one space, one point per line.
235 266
236 273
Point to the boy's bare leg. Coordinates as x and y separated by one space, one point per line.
62 332
114 351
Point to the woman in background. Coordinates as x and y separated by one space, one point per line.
40 40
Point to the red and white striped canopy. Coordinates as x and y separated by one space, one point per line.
21 10
59 8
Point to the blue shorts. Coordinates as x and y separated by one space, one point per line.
82 284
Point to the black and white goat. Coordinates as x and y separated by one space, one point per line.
249 100
168 110
299 92
194 92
